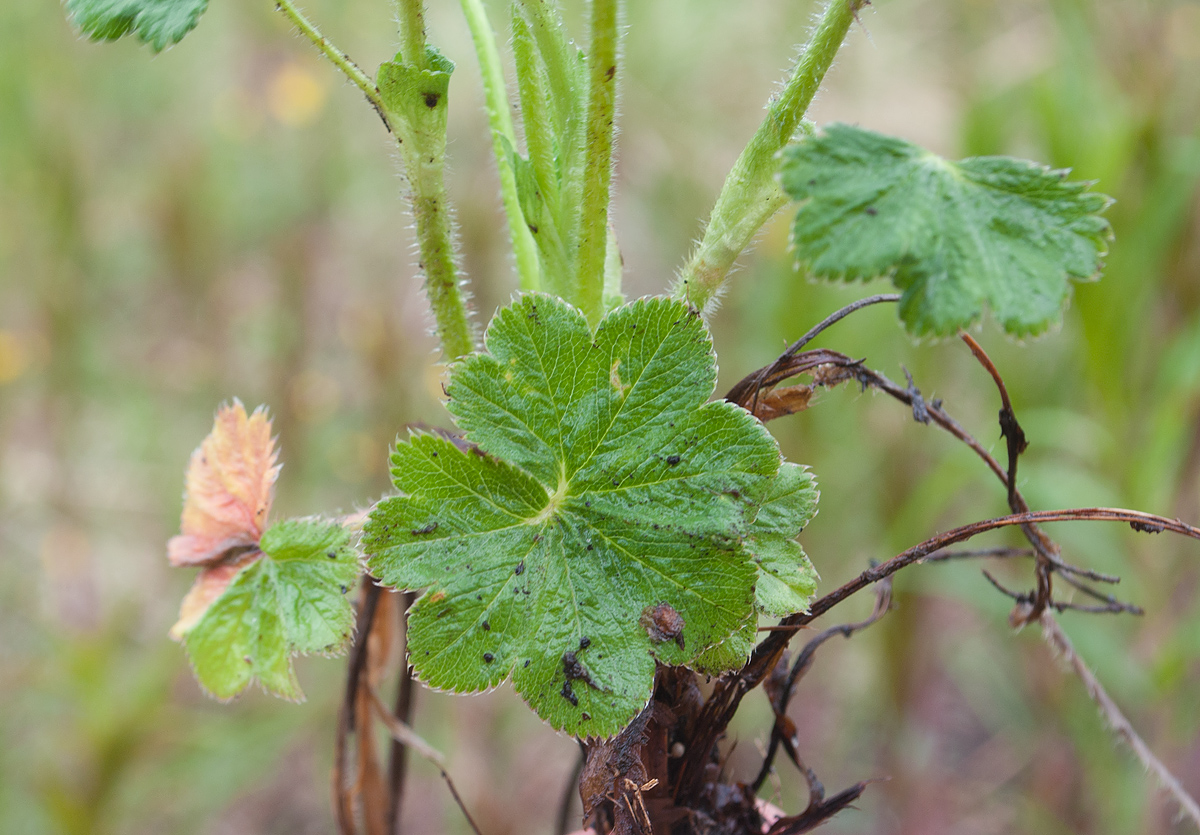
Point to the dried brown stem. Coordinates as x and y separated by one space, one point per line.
398 754
343 794
402 733
1121 727
780 700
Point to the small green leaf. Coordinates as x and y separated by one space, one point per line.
158 23
953 236
290 601
604 492
786 579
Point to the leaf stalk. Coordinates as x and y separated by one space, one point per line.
751 194
593 232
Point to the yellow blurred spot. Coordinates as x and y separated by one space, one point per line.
314 395
295 96
15 356
1183 32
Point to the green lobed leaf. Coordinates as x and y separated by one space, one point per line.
604 492
954 236
290 601
786 579
158 23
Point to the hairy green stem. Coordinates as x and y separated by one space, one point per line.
593 225
410 16
500 120
339 59
751 195
414 98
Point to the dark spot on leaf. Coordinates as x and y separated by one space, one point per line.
585 642
479 597
672 460
520 569
533 228
611 72
590 546
616 483
587 504
344 589
569 694
585 716
431 100
662 623
485 626
430 528
488 658
248 659
332 555
871 210
526 664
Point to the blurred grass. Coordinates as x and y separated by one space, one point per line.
223 219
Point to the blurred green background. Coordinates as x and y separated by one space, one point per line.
224 219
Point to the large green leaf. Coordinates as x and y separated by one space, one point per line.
954 236
289 601
159 23
599 523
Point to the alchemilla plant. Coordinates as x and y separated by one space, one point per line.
591 524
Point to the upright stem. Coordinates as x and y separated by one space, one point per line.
437 258
593 238
751 195
413 92
410 15
500 120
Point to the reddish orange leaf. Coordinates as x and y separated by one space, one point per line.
210 584
230 484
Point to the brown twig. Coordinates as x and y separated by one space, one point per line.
342 794
1016 443
883 601
730 690
401 732
398 754
1121 727
999 552
569 793
765 373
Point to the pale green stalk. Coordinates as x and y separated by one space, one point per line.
424 157
545 220
751 195
416 110
410 16
500 120
593 221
